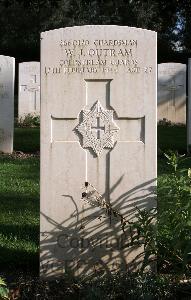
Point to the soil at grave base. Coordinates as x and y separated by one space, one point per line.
20 154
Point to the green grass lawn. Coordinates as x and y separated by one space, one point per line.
19 194
19 212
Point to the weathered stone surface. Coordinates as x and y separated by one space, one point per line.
98 145
29 88
7 77
172 92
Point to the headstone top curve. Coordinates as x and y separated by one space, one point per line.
44 33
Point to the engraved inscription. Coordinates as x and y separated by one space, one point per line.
98 56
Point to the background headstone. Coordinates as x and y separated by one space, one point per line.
7 77
29 88
171 102
98 144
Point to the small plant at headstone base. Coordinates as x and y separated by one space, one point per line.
4 292
30 120
171 242
142 230
174 219
118 286
130 286
174 159
164 122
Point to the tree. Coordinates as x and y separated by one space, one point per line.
22 21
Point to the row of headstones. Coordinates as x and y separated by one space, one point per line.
28 96
98 144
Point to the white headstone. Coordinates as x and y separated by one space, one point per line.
7 77
29 88
172 92
98 144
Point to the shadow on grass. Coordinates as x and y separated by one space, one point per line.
25 232
27 140
13 204
23 260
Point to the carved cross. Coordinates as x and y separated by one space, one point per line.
172 87
98 128
33 87
117 131
100 120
